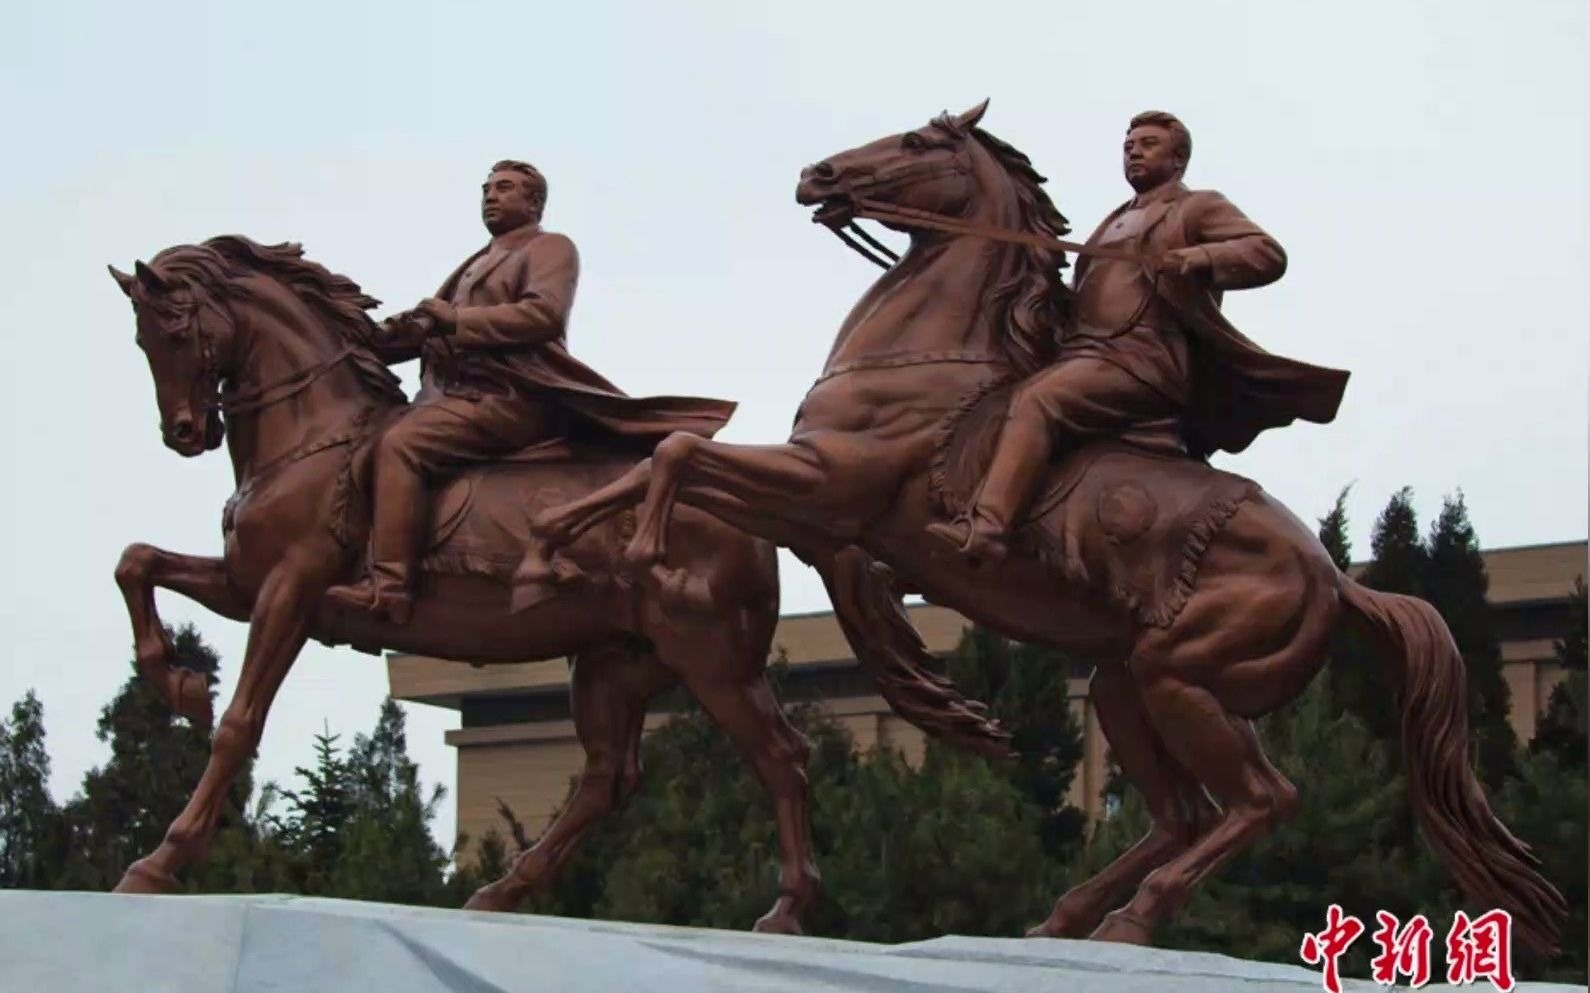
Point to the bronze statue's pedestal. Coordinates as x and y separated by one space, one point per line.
91 942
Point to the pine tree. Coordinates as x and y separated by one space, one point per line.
318 815
388 852
1027 689
1333 532
1456 584
156 759
1361 682
905 853
1544 804
1561 729
31 842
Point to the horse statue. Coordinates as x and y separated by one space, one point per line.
1202 601
281 348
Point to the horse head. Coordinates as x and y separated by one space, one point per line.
931 168
206 311
180 331
951 170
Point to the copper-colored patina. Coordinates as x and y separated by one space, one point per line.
255 346
1034 455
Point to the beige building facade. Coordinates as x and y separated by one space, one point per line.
516 741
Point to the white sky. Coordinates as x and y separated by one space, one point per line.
1423 163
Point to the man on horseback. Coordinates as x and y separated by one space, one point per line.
497 378
1150 360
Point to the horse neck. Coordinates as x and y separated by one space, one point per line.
934 299
277 335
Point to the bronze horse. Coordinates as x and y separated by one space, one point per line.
283 348
1230 623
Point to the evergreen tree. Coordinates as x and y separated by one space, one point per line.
1333 532
156 759
31 842
1456 584
1544 804
906 853
312 832
1361 680
388 852
1027 689
1561 729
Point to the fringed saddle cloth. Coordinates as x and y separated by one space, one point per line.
1128 522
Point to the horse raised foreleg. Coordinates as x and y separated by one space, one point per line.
277 631
142 569
768 480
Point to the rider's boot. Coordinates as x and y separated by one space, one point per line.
400 507
982 533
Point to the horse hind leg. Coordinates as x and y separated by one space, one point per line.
1221 750
1176 803
142 570
610 687
724 667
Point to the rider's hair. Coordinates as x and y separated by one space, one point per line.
1170 122
536 183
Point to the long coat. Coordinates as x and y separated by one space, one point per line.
511 295
1238 388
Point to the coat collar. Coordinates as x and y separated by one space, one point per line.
490 257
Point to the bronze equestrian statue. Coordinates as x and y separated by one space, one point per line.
276 356
1203 602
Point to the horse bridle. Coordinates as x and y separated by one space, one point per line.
863 207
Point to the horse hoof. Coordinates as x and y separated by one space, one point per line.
1052 928
193 700
493 898
1127 929
777 922
141 877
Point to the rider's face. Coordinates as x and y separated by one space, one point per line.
1150 157
506 203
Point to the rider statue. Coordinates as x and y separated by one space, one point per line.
1150 360
496 378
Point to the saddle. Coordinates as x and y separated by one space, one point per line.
479 521
1127 521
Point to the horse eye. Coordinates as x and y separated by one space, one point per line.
912 141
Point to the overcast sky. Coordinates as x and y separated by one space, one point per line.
1424 165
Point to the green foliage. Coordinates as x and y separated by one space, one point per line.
31 828
156 759
1456 584
1545 804
906 853
1561 729
1027 688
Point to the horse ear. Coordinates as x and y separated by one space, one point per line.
147 278
124 280
969 119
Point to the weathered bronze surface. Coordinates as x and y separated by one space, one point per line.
1033 455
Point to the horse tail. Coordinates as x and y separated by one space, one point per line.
1490 865
871 614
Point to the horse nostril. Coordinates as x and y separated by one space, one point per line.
182 429
823 170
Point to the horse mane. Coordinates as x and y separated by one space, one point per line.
1033 301
218 262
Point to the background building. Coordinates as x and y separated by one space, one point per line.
517 741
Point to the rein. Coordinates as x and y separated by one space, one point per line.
875 210
253 400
